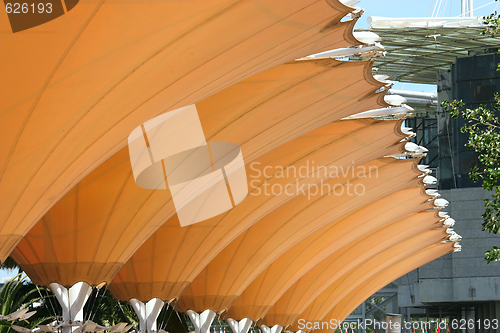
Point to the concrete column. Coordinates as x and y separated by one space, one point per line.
363 314
201 321
408 318
473 316
486 315
147 313
497 315
72 301
241 326
493 315
464 316
452 330
480 318
274 329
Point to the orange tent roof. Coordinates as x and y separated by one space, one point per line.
163 270
252 99
387 267
142 217
75 87
379 247
239 263
325 243
342 309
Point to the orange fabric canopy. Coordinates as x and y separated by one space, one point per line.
239 263
72 89
379 247
252 99
139 218
352 300
386 266
163 269
327 242
75 87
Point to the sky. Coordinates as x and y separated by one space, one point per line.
396 8
419 8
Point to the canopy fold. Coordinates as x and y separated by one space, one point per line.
240 262
163 269
342 309
391 241
330 241
414 253
336 207
73 88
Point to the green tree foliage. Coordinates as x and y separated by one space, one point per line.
370 303
492 23
11 264
18 294
483 127
104 309
176 322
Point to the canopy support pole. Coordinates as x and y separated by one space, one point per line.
274 329
72 301
147 313
201 321
241 326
